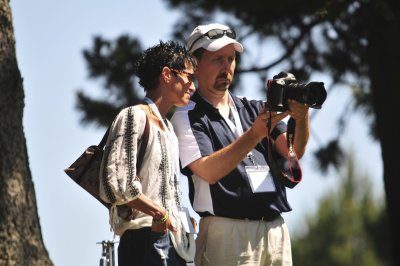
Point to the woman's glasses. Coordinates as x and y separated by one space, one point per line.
190 76
216 34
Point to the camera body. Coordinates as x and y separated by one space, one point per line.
284 86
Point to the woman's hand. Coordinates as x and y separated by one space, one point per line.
163 224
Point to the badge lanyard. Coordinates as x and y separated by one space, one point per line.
237 126
259 176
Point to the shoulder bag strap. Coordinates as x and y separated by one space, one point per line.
143 146
104 139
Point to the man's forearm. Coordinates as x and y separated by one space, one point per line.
302 134
217 165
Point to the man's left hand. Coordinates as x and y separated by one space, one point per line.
298 110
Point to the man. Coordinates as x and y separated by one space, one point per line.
154 234
223 150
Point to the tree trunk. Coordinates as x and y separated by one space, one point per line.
384 43
21 240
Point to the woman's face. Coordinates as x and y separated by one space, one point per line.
183 86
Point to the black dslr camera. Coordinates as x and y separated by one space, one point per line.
284 86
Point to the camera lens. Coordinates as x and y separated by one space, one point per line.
315 94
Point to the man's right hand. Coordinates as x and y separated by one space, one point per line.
260 125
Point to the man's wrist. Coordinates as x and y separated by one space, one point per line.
253 136
303 119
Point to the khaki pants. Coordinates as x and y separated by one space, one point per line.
227 242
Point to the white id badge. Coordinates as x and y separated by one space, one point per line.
260 179
187 224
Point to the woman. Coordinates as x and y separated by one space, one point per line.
153 234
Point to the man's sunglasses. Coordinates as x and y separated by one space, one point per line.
190 76
216 34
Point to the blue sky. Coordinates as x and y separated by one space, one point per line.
50 37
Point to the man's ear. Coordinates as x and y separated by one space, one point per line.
166 75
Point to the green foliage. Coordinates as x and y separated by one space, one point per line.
328 37
331 154
113 62
349 228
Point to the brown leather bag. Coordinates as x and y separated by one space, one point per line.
85 170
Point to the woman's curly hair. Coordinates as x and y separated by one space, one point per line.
165 54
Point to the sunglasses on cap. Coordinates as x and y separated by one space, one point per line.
216 34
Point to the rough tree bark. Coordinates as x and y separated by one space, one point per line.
21 240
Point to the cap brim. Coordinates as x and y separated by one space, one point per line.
213 45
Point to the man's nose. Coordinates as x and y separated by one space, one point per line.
226 65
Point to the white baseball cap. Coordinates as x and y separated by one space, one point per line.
203 36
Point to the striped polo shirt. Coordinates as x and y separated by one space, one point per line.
201 130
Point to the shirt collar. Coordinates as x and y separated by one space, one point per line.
196 97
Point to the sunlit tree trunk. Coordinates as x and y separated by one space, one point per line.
21 240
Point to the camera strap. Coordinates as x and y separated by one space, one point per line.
286 170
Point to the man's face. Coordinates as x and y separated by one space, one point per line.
216 69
